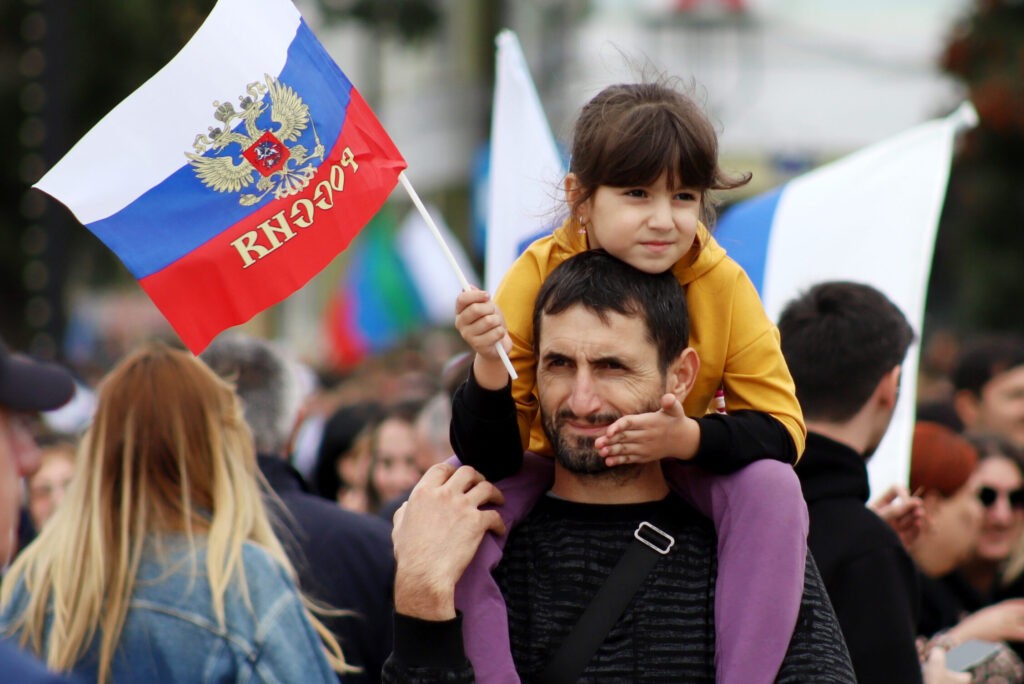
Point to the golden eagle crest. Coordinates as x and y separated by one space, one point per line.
265 154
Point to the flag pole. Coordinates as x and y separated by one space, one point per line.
451 258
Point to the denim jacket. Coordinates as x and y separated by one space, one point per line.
171 634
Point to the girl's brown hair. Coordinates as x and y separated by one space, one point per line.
629 134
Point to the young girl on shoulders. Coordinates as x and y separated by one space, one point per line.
644 161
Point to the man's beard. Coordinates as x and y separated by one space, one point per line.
578 454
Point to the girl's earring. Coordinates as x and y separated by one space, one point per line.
582 230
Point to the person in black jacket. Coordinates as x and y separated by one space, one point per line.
343 559
845 343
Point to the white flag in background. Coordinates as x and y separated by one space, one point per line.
526 170
870 217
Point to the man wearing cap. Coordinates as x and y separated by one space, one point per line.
844 344
26 387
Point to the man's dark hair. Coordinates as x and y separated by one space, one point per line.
985 357
839 340
603 284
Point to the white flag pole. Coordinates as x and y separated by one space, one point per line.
451 258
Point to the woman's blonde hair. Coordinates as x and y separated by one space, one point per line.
168 452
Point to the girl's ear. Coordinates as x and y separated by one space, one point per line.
573 191
682 374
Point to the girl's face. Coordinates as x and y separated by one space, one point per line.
649 227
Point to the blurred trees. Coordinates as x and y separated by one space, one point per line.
408 20
63 66
978 276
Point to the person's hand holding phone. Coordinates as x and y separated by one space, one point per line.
935 670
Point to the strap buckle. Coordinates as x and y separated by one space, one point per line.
655 538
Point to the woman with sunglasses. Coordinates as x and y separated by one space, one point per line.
989 574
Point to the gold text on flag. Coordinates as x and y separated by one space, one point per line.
255 244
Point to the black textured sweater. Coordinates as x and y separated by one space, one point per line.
556 560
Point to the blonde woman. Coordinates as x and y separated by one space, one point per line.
161 564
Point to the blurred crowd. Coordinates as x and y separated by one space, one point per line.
332 453
337 454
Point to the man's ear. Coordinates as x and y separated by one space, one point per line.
293 435
888 390
682 374
965 403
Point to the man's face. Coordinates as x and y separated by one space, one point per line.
1000 407
19 457
589 374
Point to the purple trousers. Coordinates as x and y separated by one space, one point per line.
761 520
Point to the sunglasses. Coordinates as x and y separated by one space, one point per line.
987 496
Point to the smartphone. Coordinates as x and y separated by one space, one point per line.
970 654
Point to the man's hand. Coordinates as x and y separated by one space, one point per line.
645 437
437 532
904 513
481 325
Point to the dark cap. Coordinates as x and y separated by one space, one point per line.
28 385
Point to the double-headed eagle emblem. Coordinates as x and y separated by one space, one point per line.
266 157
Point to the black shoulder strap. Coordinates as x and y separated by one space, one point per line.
651 543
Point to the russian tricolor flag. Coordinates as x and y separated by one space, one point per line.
870 217
235 174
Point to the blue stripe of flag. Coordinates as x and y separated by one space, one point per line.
744 231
